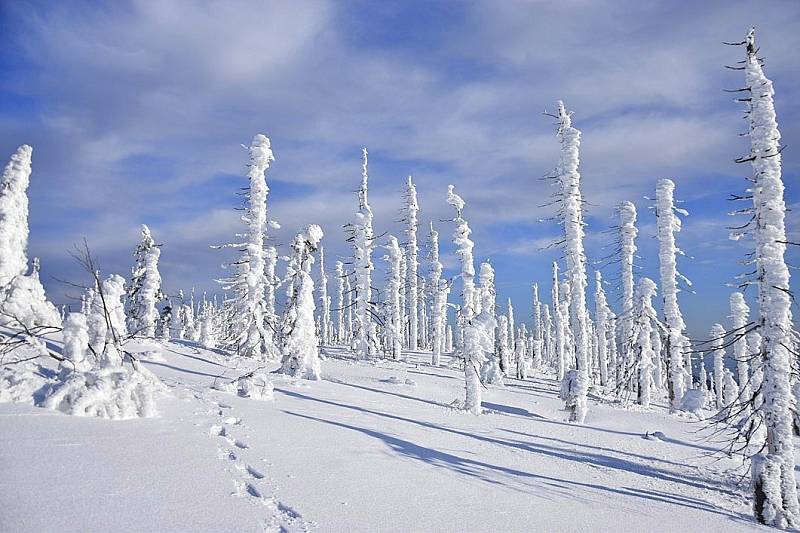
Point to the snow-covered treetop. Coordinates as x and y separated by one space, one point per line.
455 200
14 214
363 200
739 309
260 153
312 234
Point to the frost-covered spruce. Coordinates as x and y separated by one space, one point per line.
739 317
362 262
490 371
717 339
144 291
676 342
477 329
412 264
572 213
503 349
658 347
440 290
394 328
538 343
644 315
250 337
348 317
14 215
521 352
270 262
558 326
300 350
627 247
340 310
601 317
512 328
208 337
324 301
773 473
547 324
422 304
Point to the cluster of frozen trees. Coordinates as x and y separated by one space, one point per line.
282 310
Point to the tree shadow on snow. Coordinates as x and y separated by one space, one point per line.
505 476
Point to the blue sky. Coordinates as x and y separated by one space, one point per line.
137 112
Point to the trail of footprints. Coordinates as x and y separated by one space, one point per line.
248 480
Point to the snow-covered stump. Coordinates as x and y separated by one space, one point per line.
394 327
572 213
676 341
300 348
362 263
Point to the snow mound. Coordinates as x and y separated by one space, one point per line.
655 436
693 401
394 380
256 386
114 392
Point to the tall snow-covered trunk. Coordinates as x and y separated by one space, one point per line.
439 307
547 324
340 304
490 371
676 341
739 316
538 344
422 301
773 474
362 260
644 314
658 347
348 317
558 325
412 264
572 210
324 301
474 327
717 336
601 317
271 317
394 328
627 246
512 329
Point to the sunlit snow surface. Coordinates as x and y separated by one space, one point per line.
374 446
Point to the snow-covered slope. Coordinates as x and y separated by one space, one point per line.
374 446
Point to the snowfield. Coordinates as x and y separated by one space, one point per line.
374 446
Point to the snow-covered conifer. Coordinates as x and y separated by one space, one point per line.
490 371
340 305
144 291
538 342
644 315
394 328
362 260
627 247
440 290
601 317
676 341
558 325
512 328
324 301
14 215
717 336
300 350
739 317
412 264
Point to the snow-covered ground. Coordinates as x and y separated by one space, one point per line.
374 446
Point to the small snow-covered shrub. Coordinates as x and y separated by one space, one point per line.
693 400
256 386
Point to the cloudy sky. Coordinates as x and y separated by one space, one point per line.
137 112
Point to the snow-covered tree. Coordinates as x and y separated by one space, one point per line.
717 336
270 262
503 348
490 371
773 472
76 342
601 318
440 290
512 328
643 317
144 291
14 215
324 301
739 322
412 263
547 324
627 248
678 354
394 328
572 213
300 349
362 261
250 337
537 327
558 325
477 328
340 304
106 321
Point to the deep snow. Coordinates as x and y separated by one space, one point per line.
374 446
